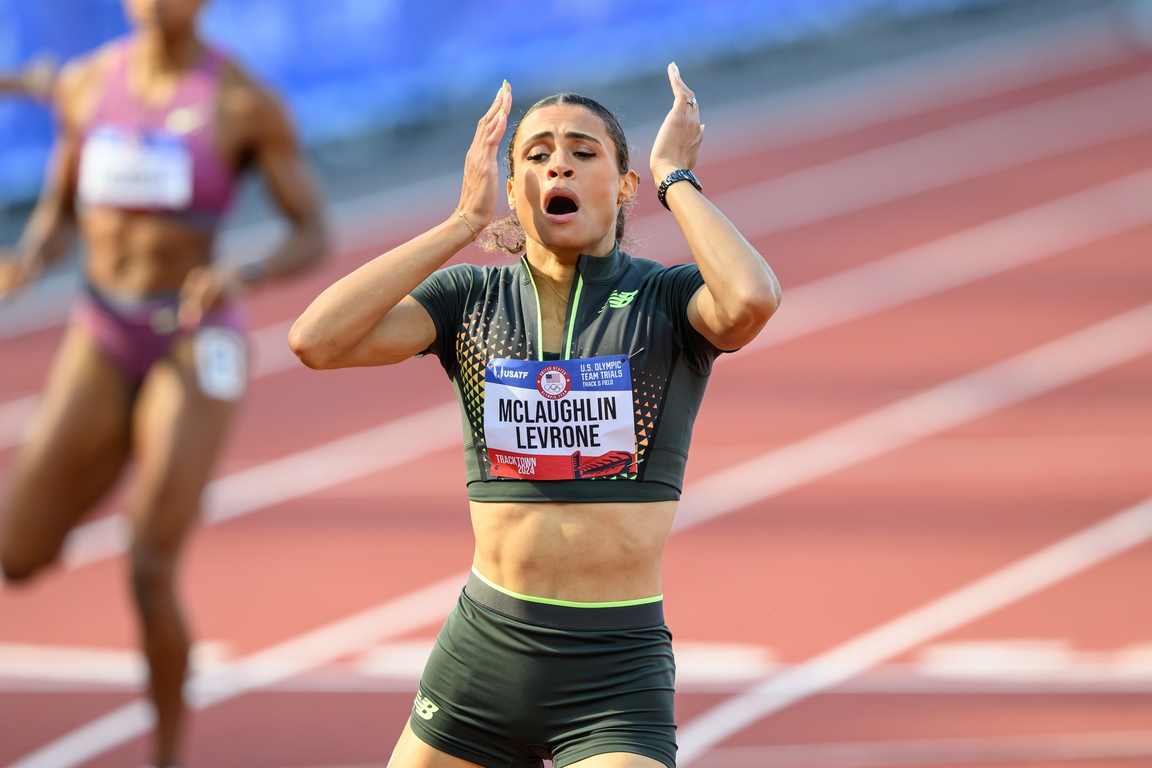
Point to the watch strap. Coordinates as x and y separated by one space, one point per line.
682 174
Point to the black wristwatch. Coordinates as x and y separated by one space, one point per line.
681 175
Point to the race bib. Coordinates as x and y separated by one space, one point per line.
125 170
221 363
559 420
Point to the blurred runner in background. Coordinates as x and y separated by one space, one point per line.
154 130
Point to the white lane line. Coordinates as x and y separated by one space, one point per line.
994 666
914 85
15 417
835 106
1051 565
984 750
1032 373
926 162
291 477
1025 376
270 354
261 669
931 161
982 251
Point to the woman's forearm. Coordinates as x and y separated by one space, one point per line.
740 292
343 315
47 237
743 287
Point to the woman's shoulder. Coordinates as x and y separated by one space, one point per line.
656 273
243 97
481 275
464 279
81 79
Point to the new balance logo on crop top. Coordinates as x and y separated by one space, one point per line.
618 401
616 300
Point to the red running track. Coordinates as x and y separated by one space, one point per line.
749 594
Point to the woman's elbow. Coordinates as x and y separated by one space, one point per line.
306 344
757 306
748 318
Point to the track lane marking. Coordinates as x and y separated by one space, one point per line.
983 750
270 354
1025 577
1034 372
926 162
981 251
972 254
15 418
389 445
258 670
917 84
1023 377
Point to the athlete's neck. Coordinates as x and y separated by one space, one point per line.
156 57
559 264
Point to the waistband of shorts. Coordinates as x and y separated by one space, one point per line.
565 614
130 305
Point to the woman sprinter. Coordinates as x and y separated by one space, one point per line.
579 371
154 131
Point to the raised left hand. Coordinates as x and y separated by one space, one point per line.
678 142
205 289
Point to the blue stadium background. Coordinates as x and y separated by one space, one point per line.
347 66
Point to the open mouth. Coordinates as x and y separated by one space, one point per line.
561 204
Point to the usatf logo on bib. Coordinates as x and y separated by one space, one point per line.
559 420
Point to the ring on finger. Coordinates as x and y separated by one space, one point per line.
692 101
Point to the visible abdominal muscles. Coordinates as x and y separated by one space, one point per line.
583 552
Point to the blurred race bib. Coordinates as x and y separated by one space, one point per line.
221 363
126 170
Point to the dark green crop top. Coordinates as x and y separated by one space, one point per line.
612 419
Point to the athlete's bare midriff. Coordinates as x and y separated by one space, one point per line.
141 253
578 552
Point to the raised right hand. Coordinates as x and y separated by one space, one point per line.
480 191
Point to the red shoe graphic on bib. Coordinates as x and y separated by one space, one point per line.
613 463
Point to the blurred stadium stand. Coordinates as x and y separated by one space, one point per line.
348 67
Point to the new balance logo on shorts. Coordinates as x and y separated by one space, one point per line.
424 708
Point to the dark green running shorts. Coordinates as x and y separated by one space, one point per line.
512 681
